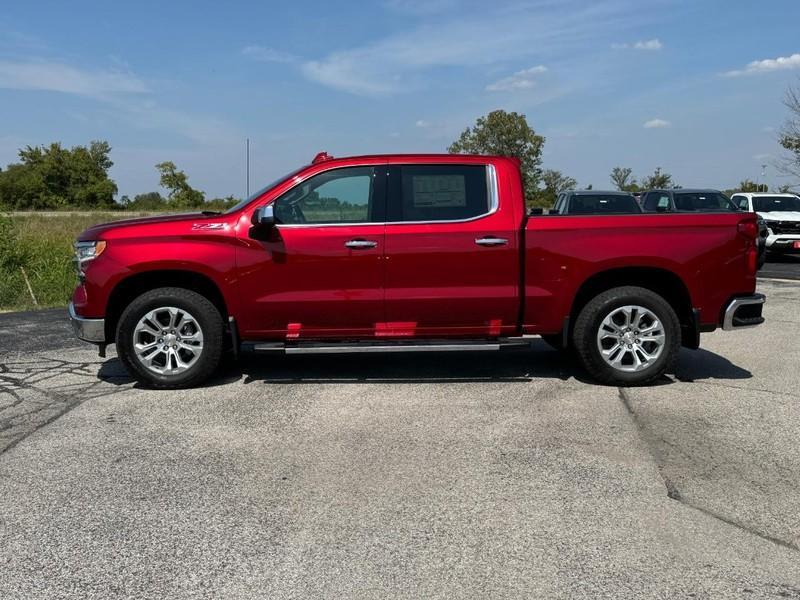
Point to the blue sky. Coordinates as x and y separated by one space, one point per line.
693 86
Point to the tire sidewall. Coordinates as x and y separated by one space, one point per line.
665 314
199 308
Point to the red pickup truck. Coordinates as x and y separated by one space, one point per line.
407 253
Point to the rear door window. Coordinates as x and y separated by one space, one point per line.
438 193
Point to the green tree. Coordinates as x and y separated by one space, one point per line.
553 183
623 179
181 194
748 185
56 177
506 134
148 201
658 181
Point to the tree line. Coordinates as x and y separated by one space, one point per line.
54 177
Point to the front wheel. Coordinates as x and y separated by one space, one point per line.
627 336
170 338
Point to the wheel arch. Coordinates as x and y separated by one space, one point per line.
661 281
134 285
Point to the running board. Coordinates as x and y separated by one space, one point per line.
401 346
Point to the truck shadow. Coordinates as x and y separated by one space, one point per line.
511 366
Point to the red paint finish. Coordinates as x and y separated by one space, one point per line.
420 279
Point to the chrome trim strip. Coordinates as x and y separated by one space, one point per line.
492 190
389 348
398 346
727 323
88 330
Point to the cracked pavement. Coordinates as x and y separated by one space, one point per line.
481 475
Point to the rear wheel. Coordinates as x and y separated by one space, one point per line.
170 338
627 336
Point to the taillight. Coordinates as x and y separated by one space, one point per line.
748 229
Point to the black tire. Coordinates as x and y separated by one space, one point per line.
590 319
200 308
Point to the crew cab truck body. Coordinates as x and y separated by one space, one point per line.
410 253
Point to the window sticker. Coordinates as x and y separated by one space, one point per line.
439 191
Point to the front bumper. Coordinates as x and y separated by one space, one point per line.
744 312
783 243
88 330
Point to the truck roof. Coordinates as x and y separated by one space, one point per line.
425 156
771 194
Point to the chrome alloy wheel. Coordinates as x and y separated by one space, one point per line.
630 338
168 340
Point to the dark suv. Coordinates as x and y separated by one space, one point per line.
681 200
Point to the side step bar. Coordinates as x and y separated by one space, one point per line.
400 346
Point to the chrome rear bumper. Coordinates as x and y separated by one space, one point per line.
88 330
744 312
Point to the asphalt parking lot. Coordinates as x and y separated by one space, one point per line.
446 476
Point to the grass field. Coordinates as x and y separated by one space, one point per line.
41 246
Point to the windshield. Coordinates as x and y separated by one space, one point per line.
776 203
266 188
601 204
702 201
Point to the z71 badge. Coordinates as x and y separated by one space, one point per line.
208 226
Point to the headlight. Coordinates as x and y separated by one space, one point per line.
86 251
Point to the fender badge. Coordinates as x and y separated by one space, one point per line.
208 226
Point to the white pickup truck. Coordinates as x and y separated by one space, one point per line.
781 212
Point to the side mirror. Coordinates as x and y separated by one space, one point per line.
264 217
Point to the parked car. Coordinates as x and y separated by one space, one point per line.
590 202
410 253
781 215
681 200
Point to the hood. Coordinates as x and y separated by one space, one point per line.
780 215
95 231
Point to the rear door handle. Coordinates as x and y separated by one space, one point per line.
360 244
491 241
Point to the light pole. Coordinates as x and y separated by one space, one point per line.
247 167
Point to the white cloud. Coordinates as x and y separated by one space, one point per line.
657 124
763 156
399 63
422 124
59 77
264 54
521 80
782 63
654 44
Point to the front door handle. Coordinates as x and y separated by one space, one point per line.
360 244
491 241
